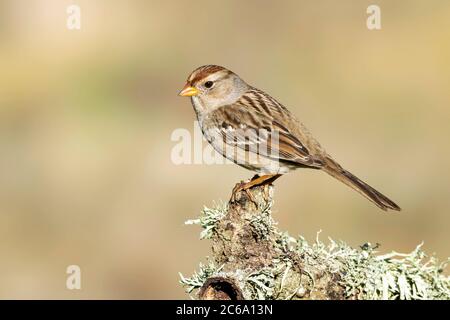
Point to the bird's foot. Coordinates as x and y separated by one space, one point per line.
242 186
254 182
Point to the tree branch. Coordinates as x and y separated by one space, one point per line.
252 259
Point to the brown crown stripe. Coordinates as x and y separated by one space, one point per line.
204 71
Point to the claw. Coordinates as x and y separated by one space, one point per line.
256 181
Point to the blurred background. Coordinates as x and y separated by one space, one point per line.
86 117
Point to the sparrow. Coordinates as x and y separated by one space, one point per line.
252 129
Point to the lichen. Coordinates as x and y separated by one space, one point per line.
359 273
263 223
208 219
198 278
366 275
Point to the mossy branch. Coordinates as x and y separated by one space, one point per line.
252 259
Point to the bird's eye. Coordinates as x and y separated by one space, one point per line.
209 84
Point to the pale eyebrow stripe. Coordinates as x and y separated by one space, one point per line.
224 76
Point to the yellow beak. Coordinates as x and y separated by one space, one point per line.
188 91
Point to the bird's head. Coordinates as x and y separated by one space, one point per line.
213 86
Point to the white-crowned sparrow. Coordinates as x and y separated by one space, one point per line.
252 129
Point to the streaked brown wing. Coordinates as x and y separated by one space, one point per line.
251 130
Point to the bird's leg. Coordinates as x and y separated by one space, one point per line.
260 181
256 181
238 188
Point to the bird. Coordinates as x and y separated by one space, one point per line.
252 129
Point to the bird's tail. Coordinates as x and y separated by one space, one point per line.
336 171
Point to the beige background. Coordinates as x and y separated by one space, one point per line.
86 118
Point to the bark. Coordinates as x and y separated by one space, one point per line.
243 247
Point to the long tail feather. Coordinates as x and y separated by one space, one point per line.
383 202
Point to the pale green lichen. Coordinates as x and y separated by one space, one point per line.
208 219
198 278
360 272
279 282
365 275
263 223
